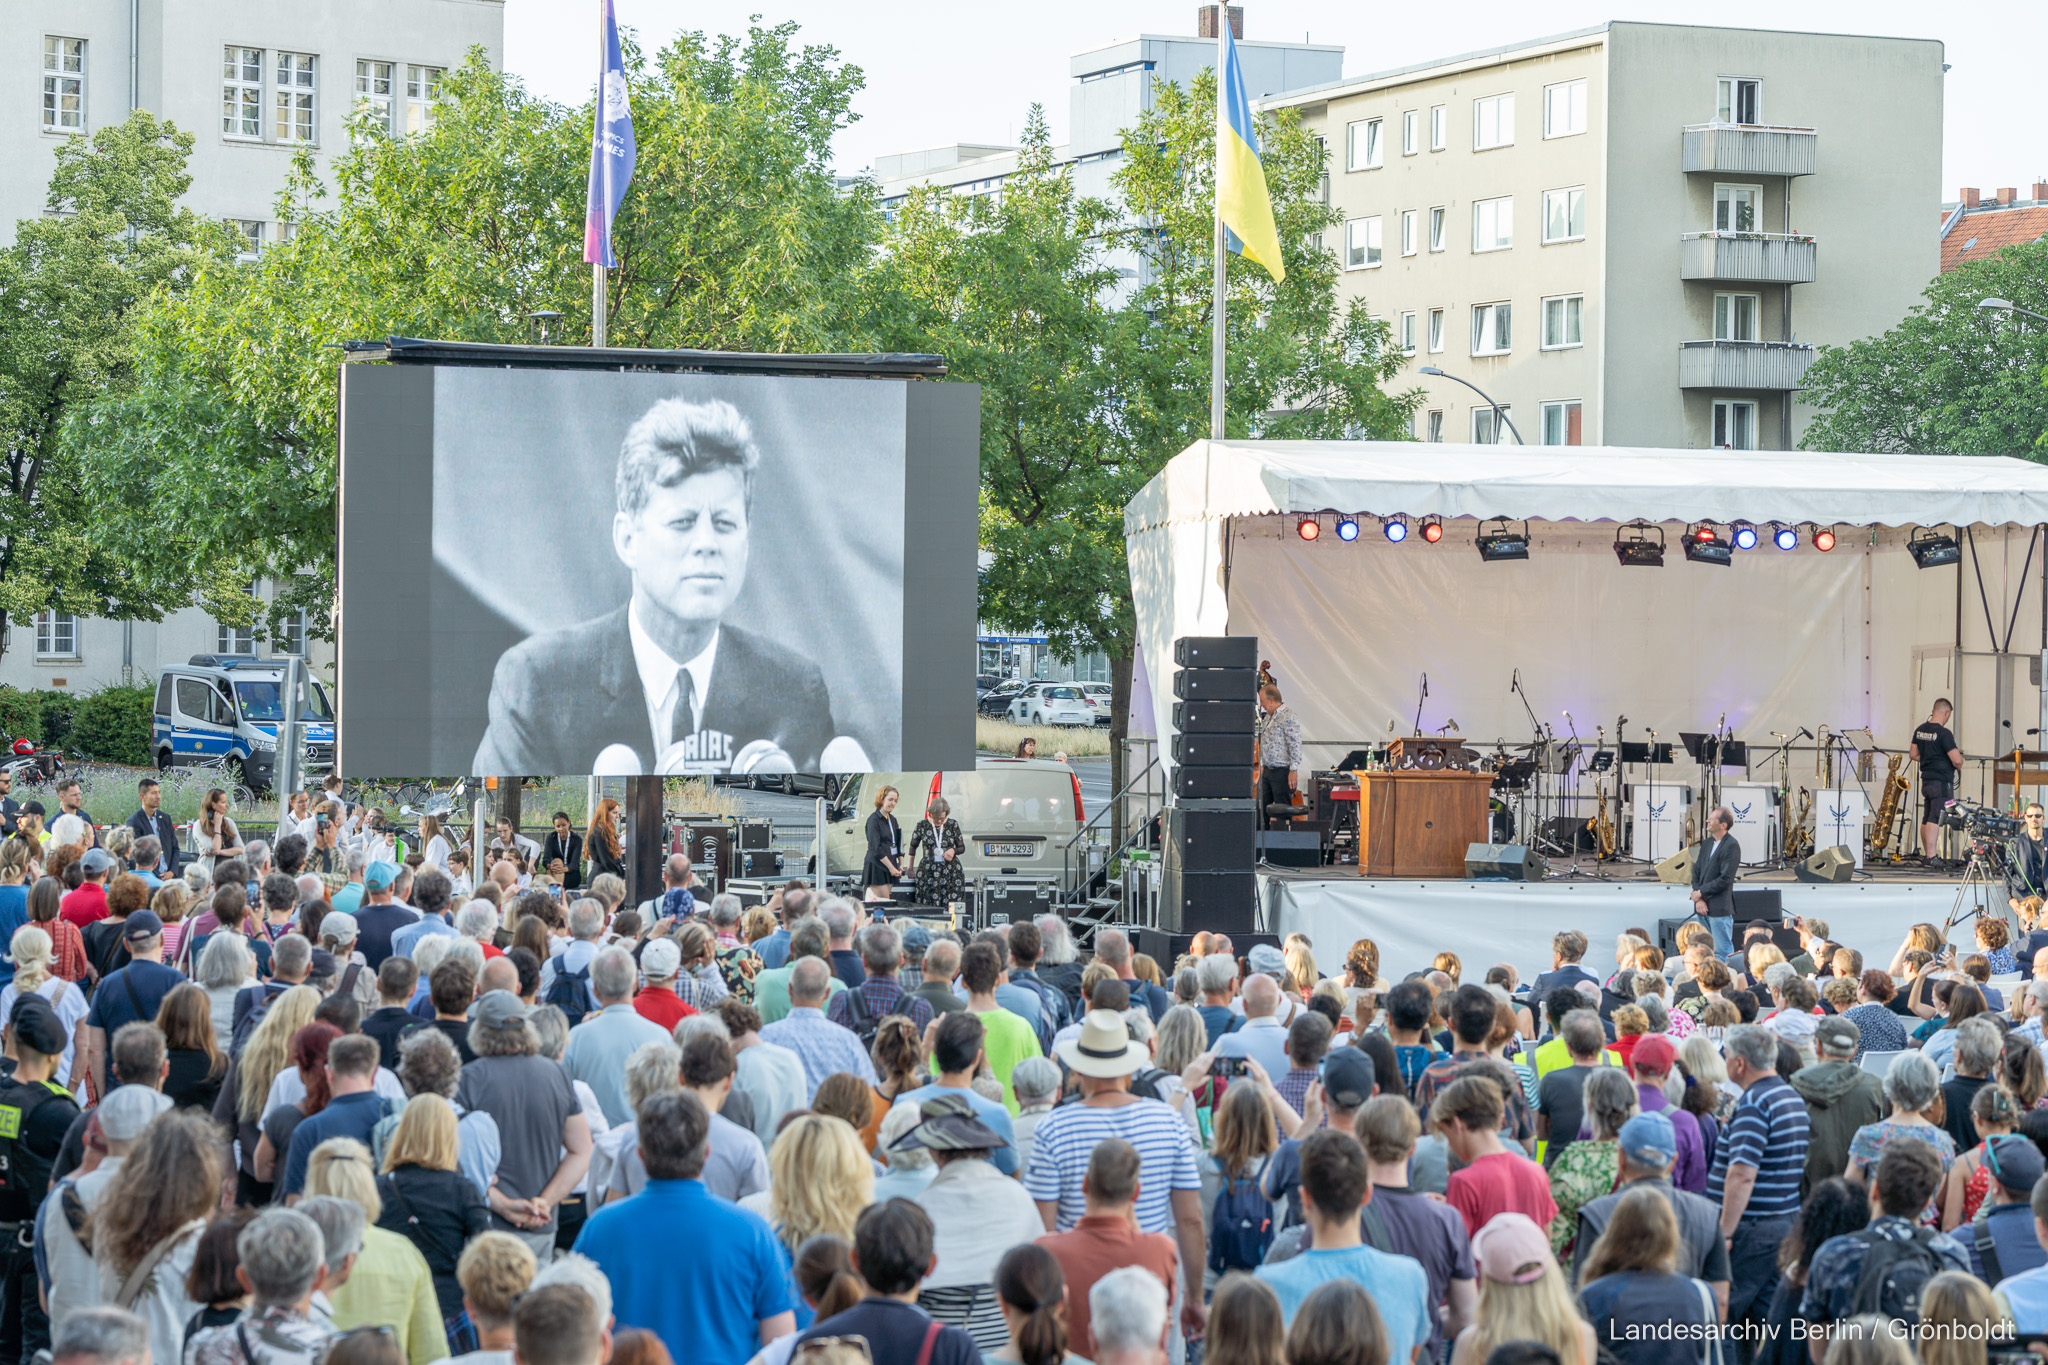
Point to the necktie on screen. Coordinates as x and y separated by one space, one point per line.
683 720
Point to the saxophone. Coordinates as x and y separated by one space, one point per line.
1797 839
1888 808
1600 825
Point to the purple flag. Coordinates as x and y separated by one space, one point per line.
611 150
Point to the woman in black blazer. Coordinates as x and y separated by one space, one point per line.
601 841
885 847
567 845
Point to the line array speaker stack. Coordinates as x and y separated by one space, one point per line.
1211 834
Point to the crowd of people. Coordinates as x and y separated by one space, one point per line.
258 1114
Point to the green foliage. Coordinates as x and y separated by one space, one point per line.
1952 378
112 725
21 713
55 715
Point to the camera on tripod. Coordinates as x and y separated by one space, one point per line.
1980 822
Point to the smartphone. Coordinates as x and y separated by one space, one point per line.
1228 1068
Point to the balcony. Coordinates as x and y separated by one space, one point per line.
1776 365
1747 257
1747 149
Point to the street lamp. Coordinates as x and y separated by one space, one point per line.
2008 306
1498 415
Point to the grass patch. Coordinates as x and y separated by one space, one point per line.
1075 741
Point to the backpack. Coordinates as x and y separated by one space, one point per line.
1145 1083
864 1021
1240 1224
24 1173
1894 1275
570 993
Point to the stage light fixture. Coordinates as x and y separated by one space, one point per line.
1308 528
1394 528
1701 531
1499 539
1634 547
1432 529
1702 546
1743 536
1783 536
1347 528
1931 549
1823 538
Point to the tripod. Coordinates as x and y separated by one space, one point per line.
1979 872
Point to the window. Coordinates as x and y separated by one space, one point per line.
56 635
235 639
1493 224
1436 229
1365 152
1736 317
293 638
1738 208
294 97
1561 423
1362 243
1562 322
422 90
251 230
1486 432
241 92
1407 232
1433 426
1492 330
64 85
1564 111
1493 122
1411 132
1437 128
1436 331
1564 215
1407 334
373 88
1735 101
1734 425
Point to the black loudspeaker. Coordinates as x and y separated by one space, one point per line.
1192 783
1567 830
1216 684
1217 751
1514 862
1211 840
1192 901
1214 717
1835 864
1291 848
1767 904
1217 651
1677 869
1667 935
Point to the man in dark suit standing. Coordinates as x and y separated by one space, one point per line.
662 684
1713 880
149 822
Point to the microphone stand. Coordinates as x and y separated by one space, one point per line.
1537 753
1418 704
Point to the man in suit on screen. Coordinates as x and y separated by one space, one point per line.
663 683
1713 879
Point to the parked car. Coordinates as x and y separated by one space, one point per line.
996 701
983 682
826 785
1052 704
1016 814
1102 695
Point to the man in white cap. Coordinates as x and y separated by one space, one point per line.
657 1001
73 1281
1103 1057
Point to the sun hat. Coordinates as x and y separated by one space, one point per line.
1104 1049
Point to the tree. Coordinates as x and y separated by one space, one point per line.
733 235
69 288
1951 378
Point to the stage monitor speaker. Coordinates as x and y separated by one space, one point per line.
1193 901
1193 782
1291 848
1677 869
1217 651
1215 717
1218 751
1835 864
1513 862
1211 840
1216 684
1766 904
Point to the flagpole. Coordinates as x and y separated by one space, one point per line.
597 280
1216 303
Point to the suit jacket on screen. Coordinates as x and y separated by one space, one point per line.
563 696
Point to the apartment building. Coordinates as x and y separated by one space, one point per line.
1634 234
254 83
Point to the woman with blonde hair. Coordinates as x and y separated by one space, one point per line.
425 1200
820 1178
757 923
601 840
434 845
1301 976
169 902
1245 1140
1629 1282
16 855
1959 1314
1447 962
1707 1096
240 1103
1522 1296
30 948
391 1285
884 864
146 1227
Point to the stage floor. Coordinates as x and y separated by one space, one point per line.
1485 922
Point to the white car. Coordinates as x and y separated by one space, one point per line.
1052 704
1100 694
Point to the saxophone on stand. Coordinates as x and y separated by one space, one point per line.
1888 805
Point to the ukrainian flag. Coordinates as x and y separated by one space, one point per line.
1241 198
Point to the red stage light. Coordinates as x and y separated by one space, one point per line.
1705 535
1432 531
1309 528
1824 540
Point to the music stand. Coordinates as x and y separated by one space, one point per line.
1635 751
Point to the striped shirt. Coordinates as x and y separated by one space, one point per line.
1769 1132
1066 1138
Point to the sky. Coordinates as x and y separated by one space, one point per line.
943 71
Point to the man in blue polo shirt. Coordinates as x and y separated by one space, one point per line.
134 993
354 1111
723 1292
1757 1168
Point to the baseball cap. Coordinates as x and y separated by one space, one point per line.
1348 1078
1266 960
321 965
36 1024
96 860
2015 1161
340 926
500 1010
379 876
33 808
1835 1034
661 959
127 1110
1512 1249
1654 1054
917 941
141 926
1650 1140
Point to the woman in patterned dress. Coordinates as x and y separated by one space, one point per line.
1591 1167
936 848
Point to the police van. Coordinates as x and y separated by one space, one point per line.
226 708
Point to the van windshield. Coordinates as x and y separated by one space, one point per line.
263 700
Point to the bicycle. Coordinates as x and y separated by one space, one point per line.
230 770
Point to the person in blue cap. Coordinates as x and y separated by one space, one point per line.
380 915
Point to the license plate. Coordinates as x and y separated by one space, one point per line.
1013 850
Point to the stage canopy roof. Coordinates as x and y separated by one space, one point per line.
1216 479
